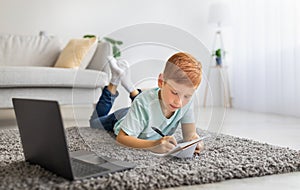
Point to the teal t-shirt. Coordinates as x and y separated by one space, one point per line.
145 112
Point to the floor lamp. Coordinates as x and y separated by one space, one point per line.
219 15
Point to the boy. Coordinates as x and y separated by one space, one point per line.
162 108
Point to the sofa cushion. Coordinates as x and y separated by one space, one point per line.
16 50
77 54
99 60
12 77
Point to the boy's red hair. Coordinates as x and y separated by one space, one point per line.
183 68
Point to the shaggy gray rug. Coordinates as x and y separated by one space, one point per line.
225 157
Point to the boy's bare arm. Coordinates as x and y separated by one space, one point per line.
162 145
189 131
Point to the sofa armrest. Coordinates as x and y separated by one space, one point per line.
99 61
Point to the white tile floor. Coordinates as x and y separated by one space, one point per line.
273 129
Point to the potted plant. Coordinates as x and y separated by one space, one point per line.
114 43
219 53
115 48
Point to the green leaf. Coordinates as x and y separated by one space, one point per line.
119 42
116 51
218 53
112 41
89 36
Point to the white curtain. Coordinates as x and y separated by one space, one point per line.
266 55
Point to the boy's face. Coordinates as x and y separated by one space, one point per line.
174 95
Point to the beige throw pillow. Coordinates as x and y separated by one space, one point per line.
77 54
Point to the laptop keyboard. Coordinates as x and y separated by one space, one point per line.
82 169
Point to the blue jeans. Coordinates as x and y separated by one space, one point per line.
100 118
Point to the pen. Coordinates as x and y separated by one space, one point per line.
158 131
161 134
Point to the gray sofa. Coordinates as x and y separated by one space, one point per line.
26 71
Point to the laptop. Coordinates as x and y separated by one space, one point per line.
44 143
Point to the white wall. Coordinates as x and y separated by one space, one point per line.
78 17
74 18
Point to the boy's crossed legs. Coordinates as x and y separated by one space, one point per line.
100 117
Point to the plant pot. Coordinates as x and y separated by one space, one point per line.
219 60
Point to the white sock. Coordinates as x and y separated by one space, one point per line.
126 79
116 71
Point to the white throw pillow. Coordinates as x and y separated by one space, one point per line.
77 53
100 61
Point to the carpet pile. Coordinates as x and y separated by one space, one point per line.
225 157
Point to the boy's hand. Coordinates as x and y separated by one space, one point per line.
164 145
189 133
200 145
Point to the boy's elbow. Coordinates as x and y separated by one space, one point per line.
118 138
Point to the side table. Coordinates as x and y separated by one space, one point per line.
222 70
